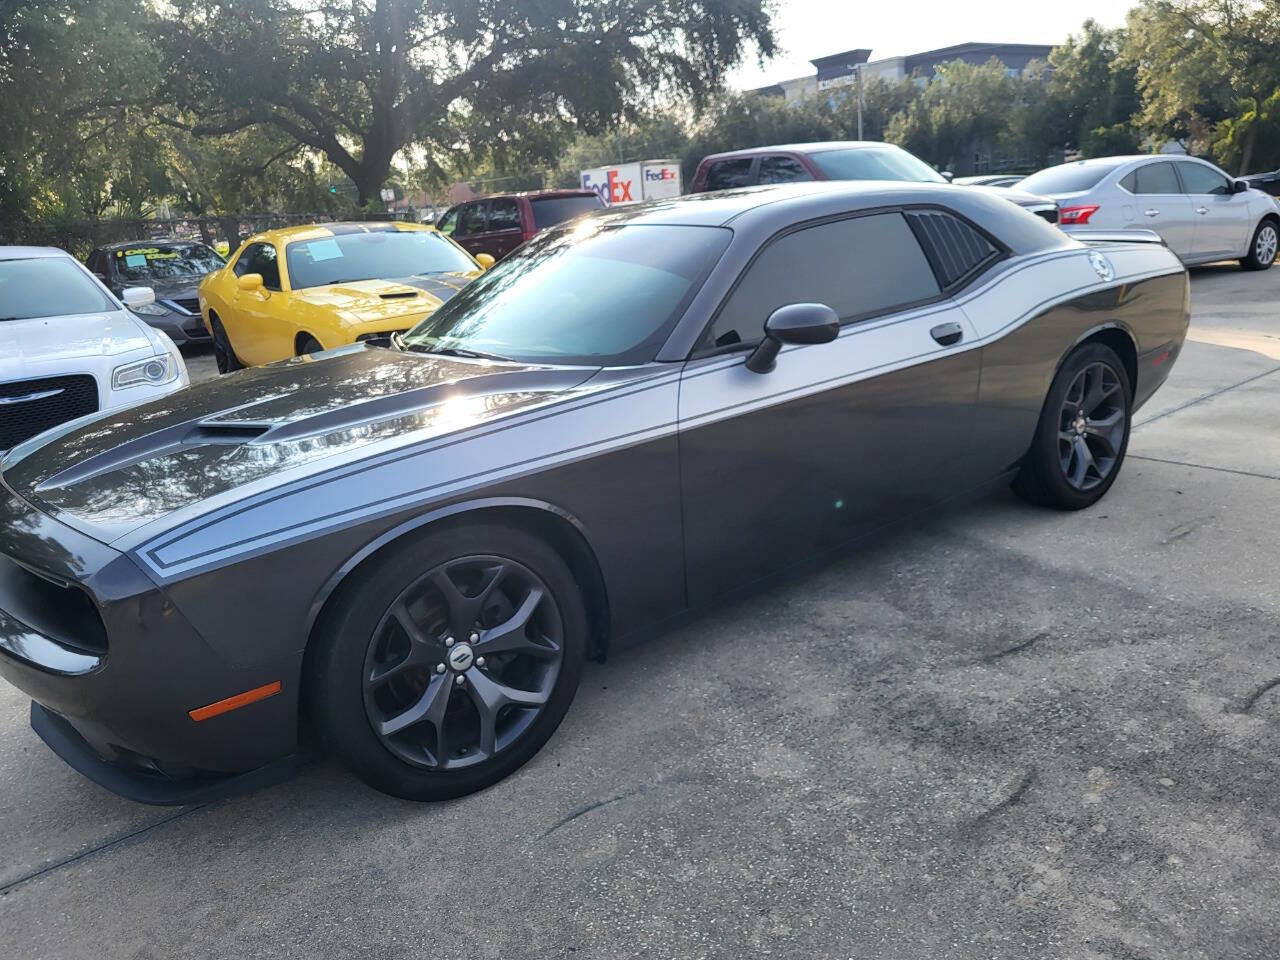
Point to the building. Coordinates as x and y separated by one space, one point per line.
841 69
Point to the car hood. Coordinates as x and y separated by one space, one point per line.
175 289
362 301
224 439
107 334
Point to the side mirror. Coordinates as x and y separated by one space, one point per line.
250 282
794 323
1239 186
947 175
485 260
135 297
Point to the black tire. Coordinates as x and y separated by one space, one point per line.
1262 246
223 354
308 344
1056 472
423 759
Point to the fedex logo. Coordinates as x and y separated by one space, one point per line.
612 184
659 174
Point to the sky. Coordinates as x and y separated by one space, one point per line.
815 28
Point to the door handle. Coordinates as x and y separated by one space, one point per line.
1151 213
1202 210
947 333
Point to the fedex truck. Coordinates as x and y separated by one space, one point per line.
632 182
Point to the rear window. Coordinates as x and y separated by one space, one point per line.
549 211
47 287
726 174
1067 178
384 255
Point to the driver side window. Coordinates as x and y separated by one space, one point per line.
859 267
260 258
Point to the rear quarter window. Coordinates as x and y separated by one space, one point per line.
548 211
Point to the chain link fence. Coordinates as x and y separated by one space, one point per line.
80 238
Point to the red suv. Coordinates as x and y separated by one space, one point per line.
497 225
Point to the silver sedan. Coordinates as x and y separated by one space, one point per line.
1199 211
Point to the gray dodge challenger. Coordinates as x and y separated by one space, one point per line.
409 549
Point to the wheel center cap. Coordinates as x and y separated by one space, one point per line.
461 656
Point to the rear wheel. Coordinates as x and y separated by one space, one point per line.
1083 432
1263 247
223 355
451 661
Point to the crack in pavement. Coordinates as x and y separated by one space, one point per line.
1205 466
1016 648
1252 700
105 845
1011 800
1208 396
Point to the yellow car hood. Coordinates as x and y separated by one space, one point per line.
363 301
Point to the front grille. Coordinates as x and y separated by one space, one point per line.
28 407
1050 215
191 306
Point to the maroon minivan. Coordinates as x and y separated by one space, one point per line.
498 224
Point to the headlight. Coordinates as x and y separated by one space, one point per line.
153 370
152 310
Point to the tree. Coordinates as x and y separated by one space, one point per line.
360 80
963 110
1203 63
1092 93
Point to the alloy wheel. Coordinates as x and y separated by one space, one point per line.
462 662
1091 426
1265 247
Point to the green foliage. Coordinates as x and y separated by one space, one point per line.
1204 68
463 80
959 112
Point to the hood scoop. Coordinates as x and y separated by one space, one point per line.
158 444
403 295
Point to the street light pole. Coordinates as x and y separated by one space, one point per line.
859 68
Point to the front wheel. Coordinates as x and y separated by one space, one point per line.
1083 433
1262 249
223 355
450 662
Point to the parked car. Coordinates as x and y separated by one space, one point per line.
498 224
990 180
70 348
641 412
172 269
305 289
1268 183
836 160
1199 211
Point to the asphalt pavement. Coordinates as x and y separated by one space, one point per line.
1008 733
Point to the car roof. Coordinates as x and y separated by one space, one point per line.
531 194
30 253
820 146
787 203
316 231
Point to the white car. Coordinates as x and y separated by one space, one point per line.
1201 213
68 348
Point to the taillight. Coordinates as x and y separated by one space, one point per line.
1077 215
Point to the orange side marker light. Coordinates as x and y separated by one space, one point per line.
234 703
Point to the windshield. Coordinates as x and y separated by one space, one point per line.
48 287
875 163
583 294
1068 178
380 255
150 263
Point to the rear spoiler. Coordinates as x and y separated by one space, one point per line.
1117 236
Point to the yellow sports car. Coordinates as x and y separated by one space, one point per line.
304 289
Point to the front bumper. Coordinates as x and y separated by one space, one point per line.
182 330
118 693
